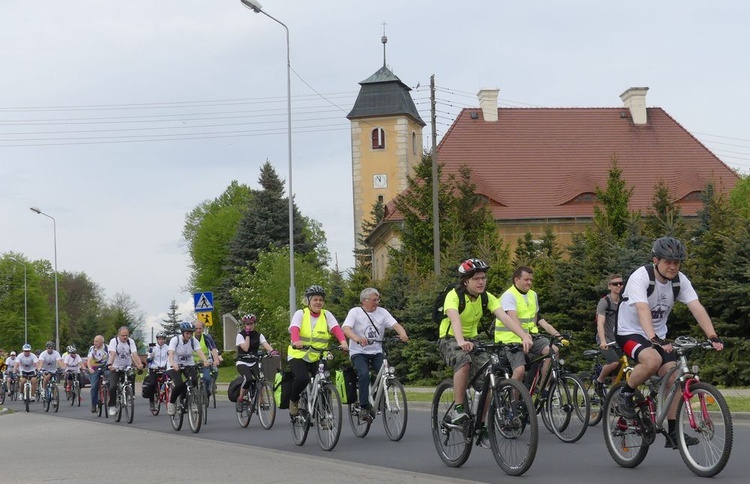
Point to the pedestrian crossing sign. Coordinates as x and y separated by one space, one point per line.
204 301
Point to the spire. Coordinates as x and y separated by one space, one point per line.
384 40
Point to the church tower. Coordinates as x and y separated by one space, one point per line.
386 132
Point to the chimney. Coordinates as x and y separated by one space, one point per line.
488 103
635 100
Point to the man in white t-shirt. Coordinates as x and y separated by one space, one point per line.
25 368
49 362
123 353
181 349
365 327
642 323
72 364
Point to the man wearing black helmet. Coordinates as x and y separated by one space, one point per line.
642 322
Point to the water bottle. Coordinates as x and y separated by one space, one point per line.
475 401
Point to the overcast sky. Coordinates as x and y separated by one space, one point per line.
118 118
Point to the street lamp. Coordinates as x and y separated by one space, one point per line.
256 7
57 311
25 302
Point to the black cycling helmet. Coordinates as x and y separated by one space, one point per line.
315 291
469 267
668 248
186 326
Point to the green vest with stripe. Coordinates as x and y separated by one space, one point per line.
526 310
318 338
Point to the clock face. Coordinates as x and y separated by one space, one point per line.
380 181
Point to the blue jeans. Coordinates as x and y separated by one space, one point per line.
95 379
206 371
362 364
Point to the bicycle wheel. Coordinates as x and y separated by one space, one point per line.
453 442
14 391
244 416
55 394
27 397
395 410
328 416
595 401
119 403
301 423
266 405
360 426
46 398
129 403
77 391
195 410
624 437
3 391
203 398
569 408
513 428
713 429
179 414
213 391
103 396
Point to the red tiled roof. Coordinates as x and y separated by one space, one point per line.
534 162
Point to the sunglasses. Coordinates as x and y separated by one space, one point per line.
617 283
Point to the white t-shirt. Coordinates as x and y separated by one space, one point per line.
72 363
660 302
358 320
49 360
10 363
183 351
98 355
159 356
123 352
26 363
508 300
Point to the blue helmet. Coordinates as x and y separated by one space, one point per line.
186 326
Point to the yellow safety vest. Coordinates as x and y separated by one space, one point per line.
318 338
526 310
204 348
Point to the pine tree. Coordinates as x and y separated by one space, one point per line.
614 215
171 325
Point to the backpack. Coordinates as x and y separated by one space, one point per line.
438 313
609 311
652 283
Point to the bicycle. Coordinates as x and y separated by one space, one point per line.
386 396
103 394
189 402
27 388
704 424
559 396
259 399
125 398
162 393
512 426
3 388
51 394
214 377
13 387
320 403
589 379
73 389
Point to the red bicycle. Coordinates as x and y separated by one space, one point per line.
163 391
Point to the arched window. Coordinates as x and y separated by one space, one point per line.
378 139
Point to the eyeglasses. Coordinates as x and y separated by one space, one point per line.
616 283
373 299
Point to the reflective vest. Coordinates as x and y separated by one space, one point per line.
526 310
204 348
318 338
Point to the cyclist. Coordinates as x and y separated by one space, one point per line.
97 361
606 318
158 360
180 353
208 346
49 362
521 304
249 341
311 326
642 324
10 370
26 368
123 353
459 329
365 325
72 363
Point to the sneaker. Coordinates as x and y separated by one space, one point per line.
171 410
151 404
93 408
626 404
484 439
365 413
112 411
671 442
238 407
293 408
457 415
599 389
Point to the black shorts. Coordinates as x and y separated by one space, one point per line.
633 344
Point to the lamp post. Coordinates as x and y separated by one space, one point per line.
57 310
25 302
256 7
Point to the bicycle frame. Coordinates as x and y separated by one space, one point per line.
662 394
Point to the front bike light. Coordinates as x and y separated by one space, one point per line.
327 374
391 371
695 369
562 362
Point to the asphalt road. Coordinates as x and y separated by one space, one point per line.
415 453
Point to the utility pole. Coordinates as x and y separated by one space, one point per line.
435 183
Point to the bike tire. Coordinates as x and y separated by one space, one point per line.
713 429
119 404
55 398
129 404
360 426
14 391
176 419
103 397
596 402
513 429
395 409
328 416
301 423
453 442
622 436
46 399
213 392
77 389
569 408
266 405
194 410
3 391
203 398
27 397
246 414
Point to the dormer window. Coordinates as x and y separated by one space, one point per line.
378 139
